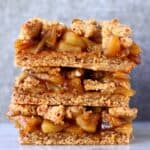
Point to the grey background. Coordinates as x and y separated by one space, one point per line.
134 12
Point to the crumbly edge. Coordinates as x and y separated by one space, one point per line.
102 138
89 99
78 60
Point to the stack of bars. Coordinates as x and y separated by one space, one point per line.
75 85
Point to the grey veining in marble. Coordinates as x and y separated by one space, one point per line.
134 12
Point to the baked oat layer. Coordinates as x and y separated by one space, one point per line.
20 96
102 138
63 59
105 45
72 80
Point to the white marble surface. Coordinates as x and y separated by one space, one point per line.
8 140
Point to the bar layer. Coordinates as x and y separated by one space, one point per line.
90 44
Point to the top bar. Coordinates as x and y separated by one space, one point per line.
89 44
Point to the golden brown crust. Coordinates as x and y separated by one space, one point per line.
71 59
102 138
89 99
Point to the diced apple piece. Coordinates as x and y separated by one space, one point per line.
22 44
91 46
114 121
135 49
49 127
74 129
121 75
51 38
34 123
126 128
56 79
47 38
74 111
124 91
75 83
113 47
73 39
63 46
88 42
52 87
88 122
29 124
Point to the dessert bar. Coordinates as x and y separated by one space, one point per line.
74 87
48 124
62 85
90 44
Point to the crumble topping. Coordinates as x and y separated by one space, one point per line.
54 113
36 27
31 29
121 32
86 28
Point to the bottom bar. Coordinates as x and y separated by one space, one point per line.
122 136
44 124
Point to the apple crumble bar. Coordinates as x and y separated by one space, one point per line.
90 44
71 120
71 86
